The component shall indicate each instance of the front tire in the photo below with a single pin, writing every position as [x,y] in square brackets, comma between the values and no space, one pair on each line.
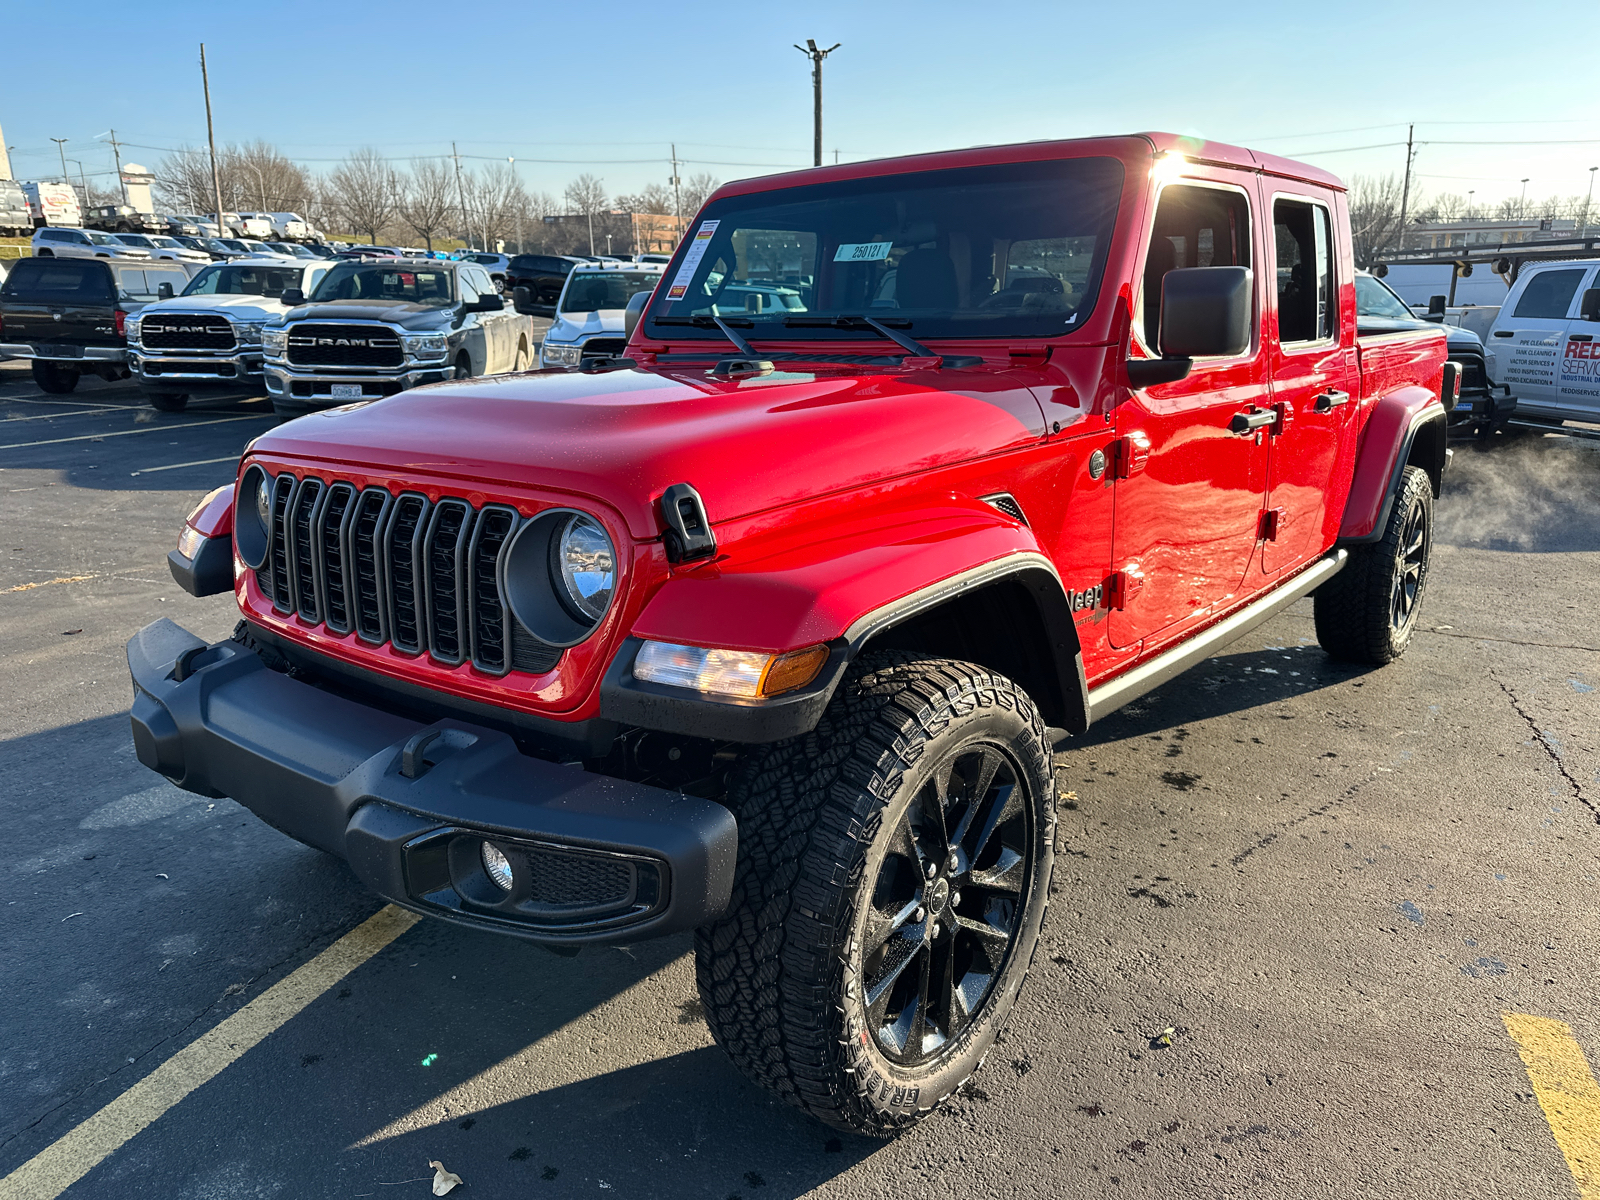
[54,379]
[893,875]
[463,367]
[1368,611]
[172,402]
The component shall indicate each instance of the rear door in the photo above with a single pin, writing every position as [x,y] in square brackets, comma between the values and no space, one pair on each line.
[59,305]
[1189,489]
[1312,347]
[1530,341]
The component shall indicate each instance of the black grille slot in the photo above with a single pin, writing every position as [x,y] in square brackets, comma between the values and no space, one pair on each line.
[343,346]
[448,532]
[557,878]
[302,523]
[363,552]
[1006,503]
[604,347]
[174,331]
[486,607]
[276,569]
[528,653]
[330,553]
[402,551]
[1472,372]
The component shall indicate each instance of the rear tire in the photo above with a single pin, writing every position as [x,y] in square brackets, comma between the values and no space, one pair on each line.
[56,380]
[168,401]
[1368,611]
[463,367]
[870,958]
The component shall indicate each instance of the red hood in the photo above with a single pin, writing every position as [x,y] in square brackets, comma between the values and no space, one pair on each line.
[623,437]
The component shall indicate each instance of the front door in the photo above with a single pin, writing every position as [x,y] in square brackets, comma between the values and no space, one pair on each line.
[1530,346]
[1312,344]
[1189,487]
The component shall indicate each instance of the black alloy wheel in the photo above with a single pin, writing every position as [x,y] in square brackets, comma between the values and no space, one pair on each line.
[943,918]
[1413,561]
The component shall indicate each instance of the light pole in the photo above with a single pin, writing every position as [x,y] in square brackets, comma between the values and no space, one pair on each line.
[1584,232]
[512,160]
[816,56]
[61,146]
[1522,204]
[82,178]
[1471,192]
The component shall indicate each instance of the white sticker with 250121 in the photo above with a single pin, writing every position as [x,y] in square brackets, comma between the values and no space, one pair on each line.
[863,252]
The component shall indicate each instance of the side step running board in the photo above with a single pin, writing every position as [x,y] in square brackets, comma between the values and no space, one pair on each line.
[1146,677]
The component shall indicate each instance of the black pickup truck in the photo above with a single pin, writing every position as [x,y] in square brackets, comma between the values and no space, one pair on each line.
[69,315]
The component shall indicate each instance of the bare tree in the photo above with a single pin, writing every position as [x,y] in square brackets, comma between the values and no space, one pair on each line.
[586,195]
[253,177]
[183,181]
[697,190]
[1374,216]
[366,192]
[655,198]
[1448,206]
[430,198]
[495,197]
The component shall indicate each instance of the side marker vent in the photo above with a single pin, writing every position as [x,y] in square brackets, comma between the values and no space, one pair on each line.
[1006,503]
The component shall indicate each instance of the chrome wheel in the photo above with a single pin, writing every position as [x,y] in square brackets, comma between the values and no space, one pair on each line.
[947,904]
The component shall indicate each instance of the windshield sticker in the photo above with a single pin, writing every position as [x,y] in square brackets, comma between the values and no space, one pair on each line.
[863,251]
[691,260]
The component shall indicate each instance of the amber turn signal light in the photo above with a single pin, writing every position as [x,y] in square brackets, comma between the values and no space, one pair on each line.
[793,670]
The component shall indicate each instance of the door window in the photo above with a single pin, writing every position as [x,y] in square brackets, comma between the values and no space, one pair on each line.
[1195,227]
[1549,294]
[1304,271]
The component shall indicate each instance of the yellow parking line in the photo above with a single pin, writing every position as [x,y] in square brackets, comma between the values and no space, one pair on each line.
[61,1164]
[1567,1092]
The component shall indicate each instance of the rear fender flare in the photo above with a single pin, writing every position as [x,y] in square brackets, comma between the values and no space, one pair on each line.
[1407,427]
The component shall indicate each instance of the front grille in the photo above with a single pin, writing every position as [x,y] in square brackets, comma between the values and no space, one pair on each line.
[604,347]
[1473,374]
[570,879]
[172,331]
[312,345]
[423,577]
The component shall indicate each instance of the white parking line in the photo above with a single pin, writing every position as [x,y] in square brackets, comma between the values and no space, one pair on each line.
[82,412]
[61,1164]
[200,462]
[94,437]
[39,398]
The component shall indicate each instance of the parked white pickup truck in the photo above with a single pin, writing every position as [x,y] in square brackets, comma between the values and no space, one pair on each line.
[209,339]
[1545,342]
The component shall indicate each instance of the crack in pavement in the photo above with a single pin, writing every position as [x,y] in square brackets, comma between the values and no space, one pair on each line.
[1263,842]
[1554,754]
[232,991]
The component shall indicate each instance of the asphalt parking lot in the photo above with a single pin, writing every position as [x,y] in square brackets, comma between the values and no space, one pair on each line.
[1325,887]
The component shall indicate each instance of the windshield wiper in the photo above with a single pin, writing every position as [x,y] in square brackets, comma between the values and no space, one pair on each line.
[860,321]
[709,321]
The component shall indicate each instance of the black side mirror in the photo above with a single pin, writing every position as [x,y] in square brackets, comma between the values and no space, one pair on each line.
[522,300]
[1204,311]
[1589,309]
[489,303]
[1436,306]
[292,297]
[164,291]
[632,313]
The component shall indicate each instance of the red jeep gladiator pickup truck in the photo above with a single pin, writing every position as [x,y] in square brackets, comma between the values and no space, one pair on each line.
[768,630]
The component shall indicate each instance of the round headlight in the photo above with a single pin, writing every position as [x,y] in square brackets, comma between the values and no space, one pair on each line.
[559,576]
[585,567]
[252,517]
[497,866]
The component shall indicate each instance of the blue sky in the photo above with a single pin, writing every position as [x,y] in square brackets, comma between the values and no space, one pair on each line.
[609,86]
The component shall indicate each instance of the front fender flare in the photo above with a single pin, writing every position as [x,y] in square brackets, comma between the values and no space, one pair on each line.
[1407,425]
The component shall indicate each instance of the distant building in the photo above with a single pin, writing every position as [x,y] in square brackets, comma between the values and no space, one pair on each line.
[628,233]
[136,180]
[1486,231]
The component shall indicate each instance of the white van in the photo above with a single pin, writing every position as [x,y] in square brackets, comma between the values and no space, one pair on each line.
[1545,342]
[53,204]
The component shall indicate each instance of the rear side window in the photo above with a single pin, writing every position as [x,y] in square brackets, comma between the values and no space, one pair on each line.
[59,281]
[1549,294]
[1304,269]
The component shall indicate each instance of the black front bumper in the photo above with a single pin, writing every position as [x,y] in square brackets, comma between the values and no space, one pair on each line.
[409,805]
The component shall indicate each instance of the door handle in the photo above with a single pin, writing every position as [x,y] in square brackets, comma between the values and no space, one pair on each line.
[1505,333]
[1330,400]
[1249,422]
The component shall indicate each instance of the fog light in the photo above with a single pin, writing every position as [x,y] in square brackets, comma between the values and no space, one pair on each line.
[496,866]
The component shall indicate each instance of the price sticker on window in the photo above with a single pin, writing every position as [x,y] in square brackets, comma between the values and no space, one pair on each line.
[691,260]
[863,252]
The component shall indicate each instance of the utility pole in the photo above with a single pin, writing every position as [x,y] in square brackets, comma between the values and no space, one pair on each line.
[513,163]
[677,196]
[461,194]
[83,179]
[1584,232]
[116,153]
[61,146]
[211,140]
[1405,191]
[816,56]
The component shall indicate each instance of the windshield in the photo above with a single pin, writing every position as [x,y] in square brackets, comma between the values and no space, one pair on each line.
[241,279]
[591,291]
[100,239]
[373,281]
[1374,299]
[232,244]
[167,243]
[995,251]
[134,239]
